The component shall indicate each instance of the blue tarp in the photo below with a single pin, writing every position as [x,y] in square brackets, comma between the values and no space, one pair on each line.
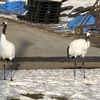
[16,7]
[78,20]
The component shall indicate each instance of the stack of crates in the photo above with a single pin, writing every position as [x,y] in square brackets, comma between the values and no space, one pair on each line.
[43,11]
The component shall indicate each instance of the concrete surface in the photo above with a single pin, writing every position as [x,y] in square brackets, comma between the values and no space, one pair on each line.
[33,42]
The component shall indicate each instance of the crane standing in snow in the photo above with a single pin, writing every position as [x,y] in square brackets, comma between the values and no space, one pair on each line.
[78,47]
[7,49]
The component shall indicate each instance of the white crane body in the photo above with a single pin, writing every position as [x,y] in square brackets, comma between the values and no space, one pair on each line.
[78,47]
[7,49]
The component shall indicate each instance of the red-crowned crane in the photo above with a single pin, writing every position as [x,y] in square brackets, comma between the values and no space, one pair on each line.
[7,49]
[78,47]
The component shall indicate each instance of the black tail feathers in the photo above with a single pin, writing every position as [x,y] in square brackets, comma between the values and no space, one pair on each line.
[68,51]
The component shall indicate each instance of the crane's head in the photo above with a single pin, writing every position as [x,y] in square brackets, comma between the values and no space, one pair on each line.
[4,23]
[88,34]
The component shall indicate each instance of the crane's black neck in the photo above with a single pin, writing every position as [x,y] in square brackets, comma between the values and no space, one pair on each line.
[4,29]
[87,38]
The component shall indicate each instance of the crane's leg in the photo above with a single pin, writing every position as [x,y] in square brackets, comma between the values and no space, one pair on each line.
[4,69]
[74,66]
[11,70]
[83,67]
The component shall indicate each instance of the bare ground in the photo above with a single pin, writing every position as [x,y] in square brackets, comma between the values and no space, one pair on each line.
[48,29]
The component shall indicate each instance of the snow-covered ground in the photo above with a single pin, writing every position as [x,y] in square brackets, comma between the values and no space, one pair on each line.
[52,84]
[75,4]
